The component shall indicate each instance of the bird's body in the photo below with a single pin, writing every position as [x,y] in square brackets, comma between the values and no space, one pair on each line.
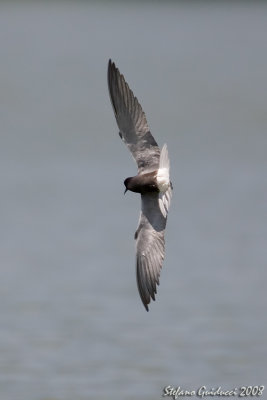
[152,182]
[142,183]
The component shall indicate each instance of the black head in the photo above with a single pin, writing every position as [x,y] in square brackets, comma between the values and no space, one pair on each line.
[127,184]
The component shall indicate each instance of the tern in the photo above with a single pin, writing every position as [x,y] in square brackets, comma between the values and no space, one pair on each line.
[152,182]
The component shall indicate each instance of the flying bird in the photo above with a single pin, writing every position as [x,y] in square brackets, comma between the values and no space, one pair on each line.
[152,182]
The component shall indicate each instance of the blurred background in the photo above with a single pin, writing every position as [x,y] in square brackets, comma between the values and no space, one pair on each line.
[72,325]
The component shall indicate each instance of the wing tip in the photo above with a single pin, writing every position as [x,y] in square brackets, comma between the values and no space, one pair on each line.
[112,74]
[147,303]
[146,307]
[111,69]
[110,62]
[151,295]
[144,291]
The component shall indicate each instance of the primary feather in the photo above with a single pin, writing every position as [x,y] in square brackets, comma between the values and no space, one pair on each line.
[132,122]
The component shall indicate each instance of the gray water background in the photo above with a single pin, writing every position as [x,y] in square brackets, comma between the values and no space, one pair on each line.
[72,324]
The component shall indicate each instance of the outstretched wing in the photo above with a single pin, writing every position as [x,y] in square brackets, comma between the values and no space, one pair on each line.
[150,247]
[132,122]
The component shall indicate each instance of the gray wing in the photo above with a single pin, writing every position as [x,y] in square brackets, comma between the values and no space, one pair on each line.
[150,247]
[132,122]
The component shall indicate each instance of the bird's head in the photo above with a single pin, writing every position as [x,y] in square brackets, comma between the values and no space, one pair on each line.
[127,184]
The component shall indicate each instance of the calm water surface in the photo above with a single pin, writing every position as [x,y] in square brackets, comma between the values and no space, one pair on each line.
[72,324]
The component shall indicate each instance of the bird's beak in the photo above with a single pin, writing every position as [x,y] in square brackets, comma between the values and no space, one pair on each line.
[125,190]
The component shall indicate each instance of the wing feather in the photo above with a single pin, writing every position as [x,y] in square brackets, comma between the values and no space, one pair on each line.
[150,246]
[132,123]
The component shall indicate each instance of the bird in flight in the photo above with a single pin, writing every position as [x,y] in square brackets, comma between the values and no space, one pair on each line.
[152,182]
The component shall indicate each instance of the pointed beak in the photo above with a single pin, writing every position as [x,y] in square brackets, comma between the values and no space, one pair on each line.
[125,190]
